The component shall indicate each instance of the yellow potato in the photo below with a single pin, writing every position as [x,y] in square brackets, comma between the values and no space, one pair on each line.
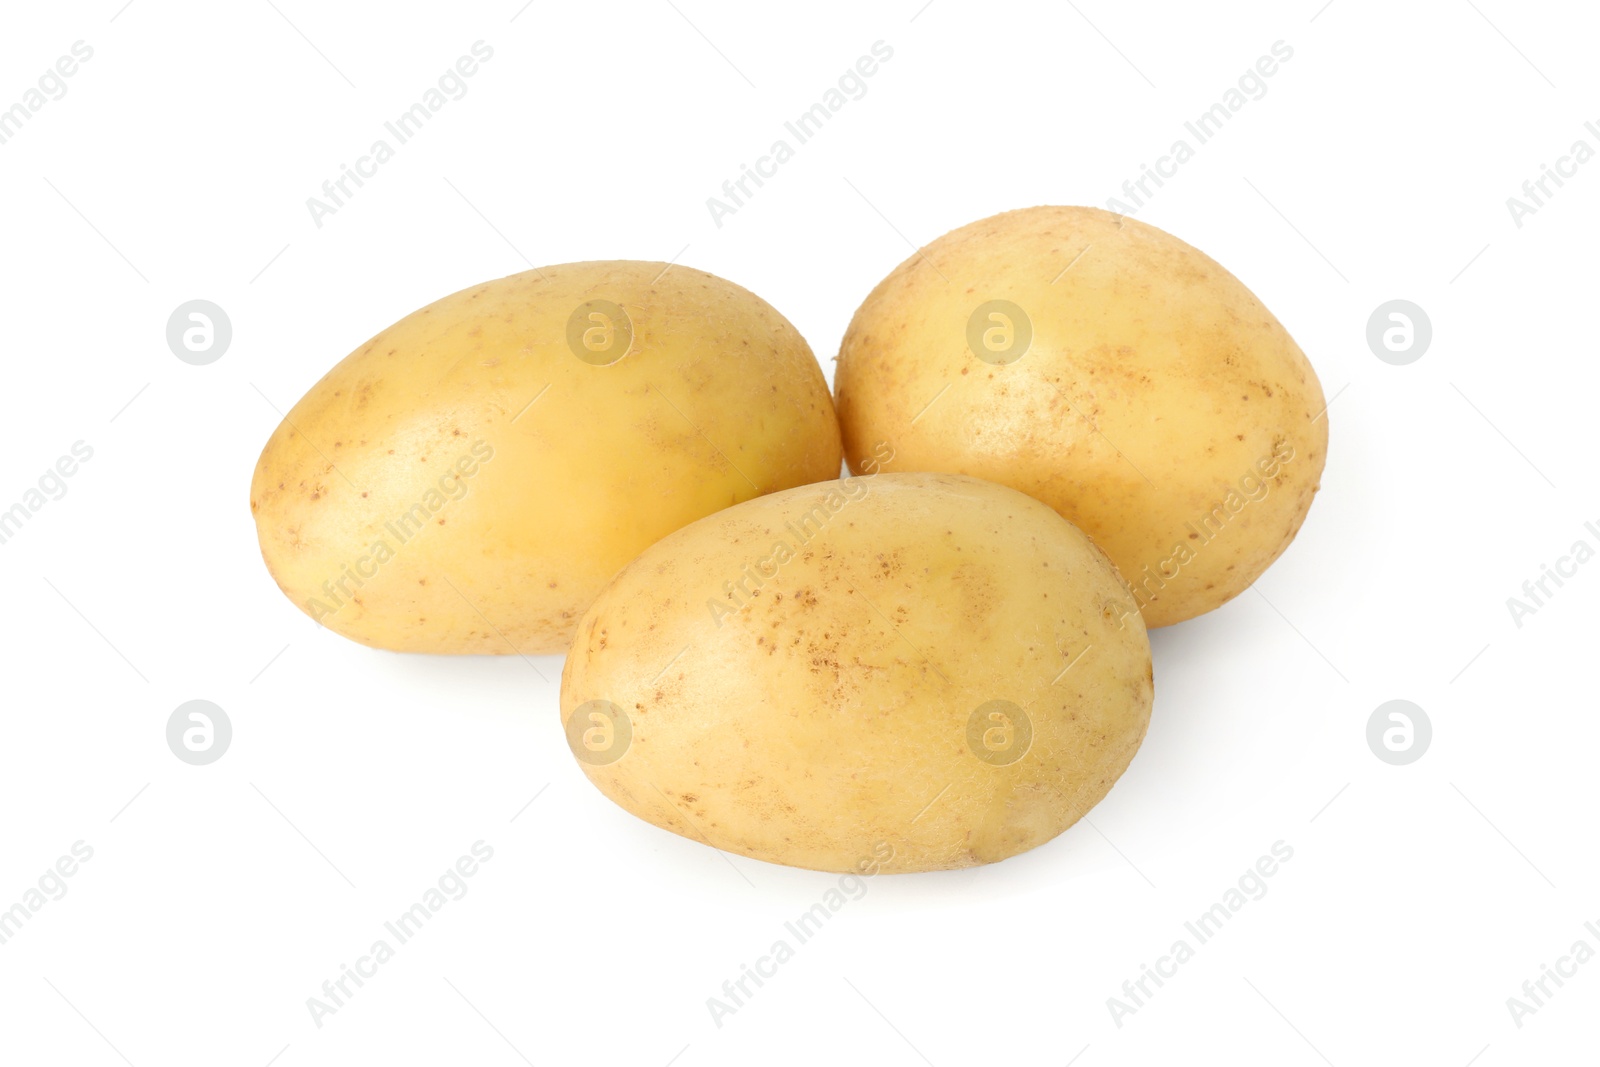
[896,672]
[1108,369]
[471,477]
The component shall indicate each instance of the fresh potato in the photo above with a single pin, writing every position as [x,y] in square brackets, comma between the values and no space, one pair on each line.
[471,477]
[1108,369]
[898,672]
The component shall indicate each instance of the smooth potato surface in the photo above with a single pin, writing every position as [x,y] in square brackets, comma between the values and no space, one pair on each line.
[903,671]
[471,477]
[1112,371]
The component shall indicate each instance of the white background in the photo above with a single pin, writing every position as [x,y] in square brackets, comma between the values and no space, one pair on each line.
[220,898]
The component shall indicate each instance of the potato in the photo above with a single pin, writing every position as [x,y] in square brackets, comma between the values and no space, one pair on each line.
[896,672]
[1108,369]
[471,477]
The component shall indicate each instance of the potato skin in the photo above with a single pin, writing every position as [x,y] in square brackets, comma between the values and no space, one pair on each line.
[465,483]
[1159,406]
[816,708]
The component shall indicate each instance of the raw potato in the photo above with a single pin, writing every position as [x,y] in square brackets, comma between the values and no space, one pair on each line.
[1127,380]
[470,478]
[898,672]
